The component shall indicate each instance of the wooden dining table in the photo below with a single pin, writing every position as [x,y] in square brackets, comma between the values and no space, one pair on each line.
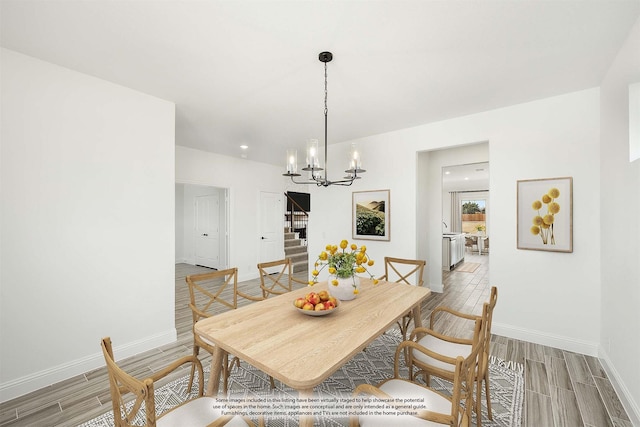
[300,350]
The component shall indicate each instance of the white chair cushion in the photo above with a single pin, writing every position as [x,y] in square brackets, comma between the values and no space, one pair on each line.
[196,413]
[443,347]
[402,389]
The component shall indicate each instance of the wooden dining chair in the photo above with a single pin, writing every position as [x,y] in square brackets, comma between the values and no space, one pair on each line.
[408,271]
[276,278]
[470,242]
[435,407]
[212,293]
[485,247]
[453,346]
[196,411]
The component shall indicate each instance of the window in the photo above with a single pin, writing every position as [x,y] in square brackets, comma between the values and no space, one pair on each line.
[474,218]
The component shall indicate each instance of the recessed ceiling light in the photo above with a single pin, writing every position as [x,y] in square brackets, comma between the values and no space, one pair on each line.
[244,147]
[447,172]
[466,178]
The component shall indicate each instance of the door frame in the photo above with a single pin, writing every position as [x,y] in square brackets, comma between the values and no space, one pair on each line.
[225,217]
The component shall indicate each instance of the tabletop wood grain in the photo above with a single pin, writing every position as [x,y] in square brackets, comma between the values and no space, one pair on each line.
[302,351]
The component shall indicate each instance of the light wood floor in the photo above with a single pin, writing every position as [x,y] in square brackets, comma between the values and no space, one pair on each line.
[562,388]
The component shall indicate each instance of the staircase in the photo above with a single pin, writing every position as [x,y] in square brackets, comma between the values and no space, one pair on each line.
[294,249]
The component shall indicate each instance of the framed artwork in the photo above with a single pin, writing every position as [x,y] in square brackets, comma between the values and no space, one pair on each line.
[545,214]
[371,215]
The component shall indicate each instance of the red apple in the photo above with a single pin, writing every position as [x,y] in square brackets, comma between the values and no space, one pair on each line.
[328,305]
[299,302]
[308,306]
[313,298]
[319,306]
[324,295]
[334,301]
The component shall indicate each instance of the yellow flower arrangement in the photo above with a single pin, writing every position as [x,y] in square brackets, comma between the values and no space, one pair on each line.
[343,263]
[543,223]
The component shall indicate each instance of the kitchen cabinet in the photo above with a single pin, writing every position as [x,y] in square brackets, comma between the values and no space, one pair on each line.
[452,250]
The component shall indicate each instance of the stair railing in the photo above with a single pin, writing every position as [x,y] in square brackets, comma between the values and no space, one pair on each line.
[297,219]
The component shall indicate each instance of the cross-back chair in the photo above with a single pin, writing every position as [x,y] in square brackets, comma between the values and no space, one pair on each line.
[434,406]
[197,411]
[276,278]
[212,293]
[408,271]
[453,346]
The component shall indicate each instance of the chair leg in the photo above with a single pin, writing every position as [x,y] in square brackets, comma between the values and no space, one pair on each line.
[273,384]
[478,402]
[196,350]
[487,395]
[403,324]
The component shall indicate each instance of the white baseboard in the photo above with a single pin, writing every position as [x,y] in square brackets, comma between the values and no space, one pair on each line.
[32,382]
[632,408]
[436,287]
[557,341]
[248,276]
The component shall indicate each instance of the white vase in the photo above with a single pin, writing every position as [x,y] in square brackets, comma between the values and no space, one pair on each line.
[344,290]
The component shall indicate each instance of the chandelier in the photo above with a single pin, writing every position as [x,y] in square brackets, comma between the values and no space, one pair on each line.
[319,175]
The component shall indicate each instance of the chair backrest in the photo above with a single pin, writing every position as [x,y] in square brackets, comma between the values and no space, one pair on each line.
[408,271]
[493,299]
[275,277]
[463,379]
[121,383]
[210,292]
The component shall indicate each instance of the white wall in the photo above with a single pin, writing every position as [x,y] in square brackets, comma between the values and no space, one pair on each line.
[544,139]
[245,180]
[620,228]
[87,222]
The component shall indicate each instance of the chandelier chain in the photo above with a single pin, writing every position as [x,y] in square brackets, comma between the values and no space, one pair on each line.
[326,92]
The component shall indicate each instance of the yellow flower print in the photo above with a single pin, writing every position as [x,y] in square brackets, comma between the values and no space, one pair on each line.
[548,219]
[554,193]
[554,208]
[536,205]
[535,230]
[537,220]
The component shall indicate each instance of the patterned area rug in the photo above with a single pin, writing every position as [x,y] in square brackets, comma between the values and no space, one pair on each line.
[371,366]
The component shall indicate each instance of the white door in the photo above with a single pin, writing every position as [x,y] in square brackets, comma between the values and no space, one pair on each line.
[271,227]
[207,223]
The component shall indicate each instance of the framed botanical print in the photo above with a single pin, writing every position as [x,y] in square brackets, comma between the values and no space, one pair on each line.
[545,214]
[371,215]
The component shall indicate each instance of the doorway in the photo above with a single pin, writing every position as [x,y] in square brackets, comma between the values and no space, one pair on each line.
[202,236]
[434,203]
[271,227]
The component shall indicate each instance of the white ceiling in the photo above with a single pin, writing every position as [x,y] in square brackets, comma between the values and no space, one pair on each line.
[247,72]
[467,177]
